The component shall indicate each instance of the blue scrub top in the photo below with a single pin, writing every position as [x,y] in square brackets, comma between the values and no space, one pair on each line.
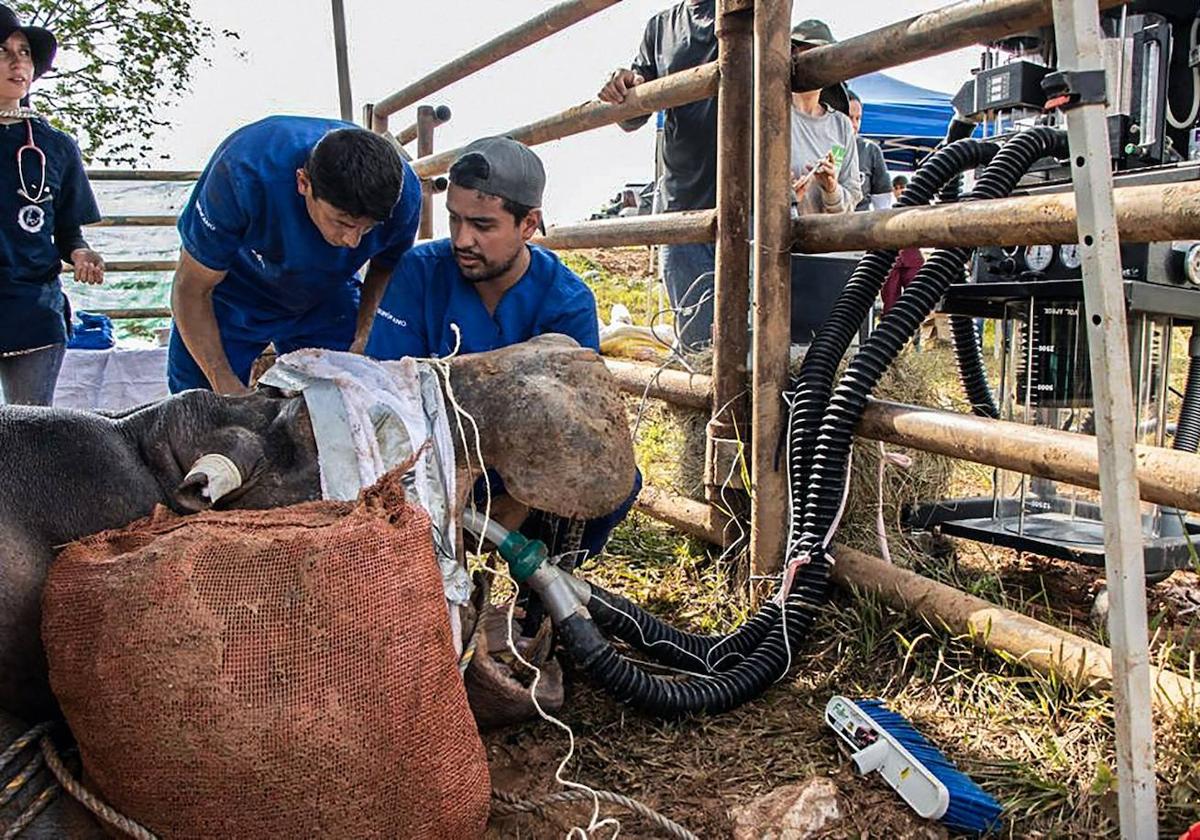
[246,218]
[427,293]
[31,296]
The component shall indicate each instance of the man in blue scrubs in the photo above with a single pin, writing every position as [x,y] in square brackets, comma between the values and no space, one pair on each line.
[490,282]
[284,216]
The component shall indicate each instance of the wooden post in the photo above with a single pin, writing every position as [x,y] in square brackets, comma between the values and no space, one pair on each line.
[1077,38]
[772,281]
[343,62]
[731,338]
[426,120]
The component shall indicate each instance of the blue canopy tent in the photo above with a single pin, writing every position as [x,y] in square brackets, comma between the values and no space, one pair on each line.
[907,121]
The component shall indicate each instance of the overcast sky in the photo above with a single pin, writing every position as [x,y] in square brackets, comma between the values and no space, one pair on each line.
[284,63]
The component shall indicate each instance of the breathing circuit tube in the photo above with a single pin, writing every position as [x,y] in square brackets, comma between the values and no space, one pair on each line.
[620,618]
[832,450]
[764,643]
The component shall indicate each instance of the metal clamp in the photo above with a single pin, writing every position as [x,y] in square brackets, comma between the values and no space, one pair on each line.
[1067,89]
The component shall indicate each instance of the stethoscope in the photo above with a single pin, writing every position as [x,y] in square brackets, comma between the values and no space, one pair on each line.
[32,217]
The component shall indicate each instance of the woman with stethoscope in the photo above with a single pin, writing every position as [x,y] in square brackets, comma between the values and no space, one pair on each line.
[45,199]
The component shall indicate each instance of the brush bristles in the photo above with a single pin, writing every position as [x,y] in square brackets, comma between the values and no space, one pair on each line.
[971,808]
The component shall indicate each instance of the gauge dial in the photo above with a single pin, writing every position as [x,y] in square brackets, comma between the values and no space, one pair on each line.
[1069,256]
[1039,257]
[1191,263]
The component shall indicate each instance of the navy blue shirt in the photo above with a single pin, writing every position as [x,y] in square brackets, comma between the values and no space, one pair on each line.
[427,293]
[31,297]
[245,217]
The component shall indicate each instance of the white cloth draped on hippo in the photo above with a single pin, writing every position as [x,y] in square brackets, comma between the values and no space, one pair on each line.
[370,416]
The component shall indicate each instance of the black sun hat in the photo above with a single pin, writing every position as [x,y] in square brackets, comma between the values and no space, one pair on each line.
[41,41]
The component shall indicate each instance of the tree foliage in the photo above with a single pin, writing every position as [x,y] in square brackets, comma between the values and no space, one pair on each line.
[119,63]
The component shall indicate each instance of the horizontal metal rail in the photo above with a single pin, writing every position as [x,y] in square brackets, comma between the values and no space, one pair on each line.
[441,115]
[505,44]
[943,30]
[128,314]
[1150,213]
[1165,476]
[132,265]
[656,229]
[136,221]
[668,92]
[142,175]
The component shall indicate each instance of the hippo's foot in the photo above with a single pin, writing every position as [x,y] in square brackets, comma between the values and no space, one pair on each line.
[500,688]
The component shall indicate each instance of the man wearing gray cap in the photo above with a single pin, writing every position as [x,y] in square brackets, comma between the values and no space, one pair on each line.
[486,278]
[491,283]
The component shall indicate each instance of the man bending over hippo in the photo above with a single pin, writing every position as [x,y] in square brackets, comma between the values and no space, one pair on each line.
[284,216]
[490,282]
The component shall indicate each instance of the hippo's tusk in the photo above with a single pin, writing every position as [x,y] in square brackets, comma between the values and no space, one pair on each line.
[223,476]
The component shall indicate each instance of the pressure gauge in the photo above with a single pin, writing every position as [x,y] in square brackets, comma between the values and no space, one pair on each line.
[1191,264]
[1069,256]
[1039,257]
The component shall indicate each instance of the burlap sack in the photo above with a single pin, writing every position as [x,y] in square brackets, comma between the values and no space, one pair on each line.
[279,674]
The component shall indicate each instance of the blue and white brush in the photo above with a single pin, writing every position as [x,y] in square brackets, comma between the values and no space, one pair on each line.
[933,787]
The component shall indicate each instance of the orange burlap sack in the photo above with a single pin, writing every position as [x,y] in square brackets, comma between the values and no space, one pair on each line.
[268,674]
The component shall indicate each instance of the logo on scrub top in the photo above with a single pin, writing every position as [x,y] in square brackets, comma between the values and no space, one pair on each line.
[31,218]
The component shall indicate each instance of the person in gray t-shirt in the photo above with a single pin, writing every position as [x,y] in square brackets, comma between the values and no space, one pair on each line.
[677,39]
[872,168]
[824,154]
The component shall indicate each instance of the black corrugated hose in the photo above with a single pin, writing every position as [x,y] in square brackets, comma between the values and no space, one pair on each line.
[619,617]
[812,386]
[769,658]
[1187,430]
[831,456]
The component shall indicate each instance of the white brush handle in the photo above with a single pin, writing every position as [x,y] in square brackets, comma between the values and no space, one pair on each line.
[875,749]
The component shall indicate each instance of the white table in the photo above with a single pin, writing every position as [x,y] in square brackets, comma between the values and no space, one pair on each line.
[117,378]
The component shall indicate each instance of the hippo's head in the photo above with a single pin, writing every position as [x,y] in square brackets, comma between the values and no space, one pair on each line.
[255,451]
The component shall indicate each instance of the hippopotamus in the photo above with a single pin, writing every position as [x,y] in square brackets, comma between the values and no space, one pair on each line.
[551,424]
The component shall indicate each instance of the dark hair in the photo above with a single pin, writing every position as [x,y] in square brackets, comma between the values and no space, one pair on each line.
[899,181]
[356,171]
[471,167]
[854,97]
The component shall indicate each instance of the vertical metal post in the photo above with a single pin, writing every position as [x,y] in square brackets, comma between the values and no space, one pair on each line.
[343,61]
[772,279]
[731,338]
[1078,39]
[426,120]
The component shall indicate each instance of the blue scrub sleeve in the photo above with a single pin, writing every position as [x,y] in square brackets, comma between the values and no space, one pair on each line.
[215,220]
[580,322]
[75,204]
[399,329]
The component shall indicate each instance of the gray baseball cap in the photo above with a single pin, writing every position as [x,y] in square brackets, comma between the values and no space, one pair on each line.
[503,167]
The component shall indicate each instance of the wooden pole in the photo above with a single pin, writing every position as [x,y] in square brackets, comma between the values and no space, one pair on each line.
[655,229]
[426,121]
[1150,213]
[1165,476]
[731,338]
[505,44]
[669,91]
[694,518]
[962,24]
[343,62]
[772,281]
[1037,645]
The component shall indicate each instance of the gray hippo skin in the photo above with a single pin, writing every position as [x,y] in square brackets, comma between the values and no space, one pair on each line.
[65,474]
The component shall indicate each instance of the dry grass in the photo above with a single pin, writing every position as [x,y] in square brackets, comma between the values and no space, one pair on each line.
[1044,749]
